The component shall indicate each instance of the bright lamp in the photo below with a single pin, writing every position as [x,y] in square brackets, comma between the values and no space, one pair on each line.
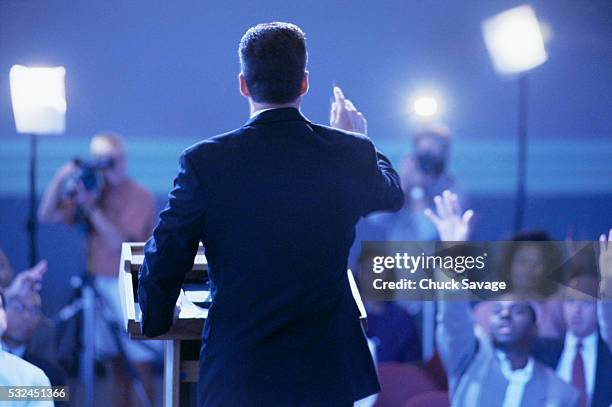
[39,99]
[515,44]
[425,106]
[514,40]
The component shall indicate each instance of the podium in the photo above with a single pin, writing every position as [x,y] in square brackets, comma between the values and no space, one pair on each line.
[182,342]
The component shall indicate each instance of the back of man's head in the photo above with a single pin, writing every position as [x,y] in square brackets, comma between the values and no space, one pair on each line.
[273,61]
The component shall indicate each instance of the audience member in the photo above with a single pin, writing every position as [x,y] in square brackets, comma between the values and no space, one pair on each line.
[24,316]
[424,174]
[390,327]
[604,305]
[531,264]
[582,358]
[15,371]
[499,371]
[6,272]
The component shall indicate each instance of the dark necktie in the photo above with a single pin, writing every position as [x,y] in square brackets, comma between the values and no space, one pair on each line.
[578,379]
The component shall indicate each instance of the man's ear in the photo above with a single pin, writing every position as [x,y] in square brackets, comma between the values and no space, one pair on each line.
[244,90]
[304,85]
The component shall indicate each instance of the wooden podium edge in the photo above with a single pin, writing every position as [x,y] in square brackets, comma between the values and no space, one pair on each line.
[126,288]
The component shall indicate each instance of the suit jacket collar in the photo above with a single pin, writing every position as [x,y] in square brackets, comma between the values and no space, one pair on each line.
[602,394]
[282,114]
[535,389]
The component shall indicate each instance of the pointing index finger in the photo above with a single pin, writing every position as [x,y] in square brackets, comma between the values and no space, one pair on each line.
[338,94]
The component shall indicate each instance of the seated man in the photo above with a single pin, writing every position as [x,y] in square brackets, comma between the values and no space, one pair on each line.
[393,331]
[492,373]
[17,372]
[582,358]
[24,318]
[390,327]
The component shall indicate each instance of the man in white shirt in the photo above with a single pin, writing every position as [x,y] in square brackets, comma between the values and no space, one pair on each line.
[500,372]
[582,358]
[17,372]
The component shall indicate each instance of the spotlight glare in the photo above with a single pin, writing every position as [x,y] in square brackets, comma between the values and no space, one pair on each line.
[425,106]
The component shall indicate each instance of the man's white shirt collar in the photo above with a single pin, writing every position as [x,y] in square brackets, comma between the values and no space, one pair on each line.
[517,379]
[258,112]
[589,359]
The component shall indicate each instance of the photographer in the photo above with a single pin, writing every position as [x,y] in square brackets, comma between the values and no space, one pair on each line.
[99,196]
[424,174]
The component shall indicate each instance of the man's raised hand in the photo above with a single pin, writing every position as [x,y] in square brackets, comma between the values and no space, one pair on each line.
[605,264]
[345,116]
[451,224]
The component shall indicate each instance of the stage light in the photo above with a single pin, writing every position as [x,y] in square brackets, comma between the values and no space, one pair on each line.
[38,96]
[39,99]
[425,106]
[516,45]
[514,40]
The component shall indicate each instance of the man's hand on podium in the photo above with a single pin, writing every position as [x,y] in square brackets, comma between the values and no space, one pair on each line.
[345,116]
[177,307]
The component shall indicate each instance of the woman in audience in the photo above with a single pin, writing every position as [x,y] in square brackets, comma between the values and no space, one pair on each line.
[531,264]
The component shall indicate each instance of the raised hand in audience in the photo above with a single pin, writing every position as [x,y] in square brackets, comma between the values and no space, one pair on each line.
[605,264]
[452,226]
[28,281]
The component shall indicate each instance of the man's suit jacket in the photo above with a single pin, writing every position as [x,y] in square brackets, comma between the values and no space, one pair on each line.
[275,204]
[474,372]
[548,351]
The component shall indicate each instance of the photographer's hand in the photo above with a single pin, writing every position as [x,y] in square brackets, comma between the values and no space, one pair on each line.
[345,116]
[65,170]
[48,210]
[452,227]
[86,199]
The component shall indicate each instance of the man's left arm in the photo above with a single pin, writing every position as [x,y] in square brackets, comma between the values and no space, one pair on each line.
[170,252]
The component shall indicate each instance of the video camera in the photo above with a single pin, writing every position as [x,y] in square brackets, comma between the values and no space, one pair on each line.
[89,174]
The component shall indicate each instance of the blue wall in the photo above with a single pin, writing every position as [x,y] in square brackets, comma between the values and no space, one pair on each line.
[164,74]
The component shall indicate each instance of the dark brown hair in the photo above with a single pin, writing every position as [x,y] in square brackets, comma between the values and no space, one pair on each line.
[273,61]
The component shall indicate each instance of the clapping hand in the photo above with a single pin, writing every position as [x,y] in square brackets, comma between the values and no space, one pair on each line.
[451,225]
[345,116]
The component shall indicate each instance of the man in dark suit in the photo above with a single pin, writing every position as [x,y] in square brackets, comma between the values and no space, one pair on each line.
[275,204]
[581,358]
